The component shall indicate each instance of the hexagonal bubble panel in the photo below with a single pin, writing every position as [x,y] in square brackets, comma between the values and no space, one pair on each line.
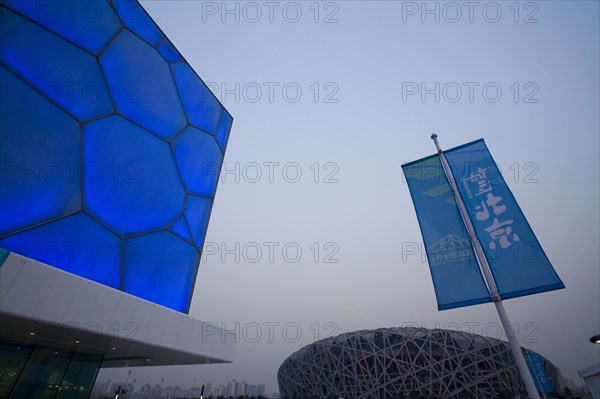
[201,106]
[161,268]
[65,73]
[88,23]
[131,182]
[180,228]
[199,160]
[168,51]
[154,103]
[197,213]
[40,155]
[136,19]
[76,244]
[223,129]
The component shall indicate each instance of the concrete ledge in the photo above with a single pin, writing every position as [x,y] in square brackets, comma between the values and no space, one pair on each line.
[43,304]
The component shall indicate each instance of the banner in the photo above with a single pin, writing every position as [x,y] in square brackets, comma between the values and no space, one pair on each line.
[454,269]
[517,261]
[538,372]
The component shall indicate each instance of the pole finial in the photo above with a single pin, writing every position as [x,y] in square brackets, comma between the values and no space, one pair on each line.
[437,144]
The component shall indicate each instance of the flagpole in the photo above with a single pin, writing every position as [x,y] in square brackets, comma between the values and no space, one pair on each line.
[489,279]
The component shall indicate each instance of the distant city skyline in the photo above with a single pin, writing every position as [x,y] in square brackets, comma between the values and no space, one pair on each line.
[233,388]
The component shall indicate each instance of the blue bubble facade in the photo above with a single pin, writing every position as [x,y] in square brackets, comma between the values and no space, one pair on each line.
[110,147]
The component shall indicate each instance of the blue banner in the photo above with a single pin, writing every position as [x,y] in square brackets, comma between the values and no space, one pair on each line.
[517,261]
[454,269]
[538,372]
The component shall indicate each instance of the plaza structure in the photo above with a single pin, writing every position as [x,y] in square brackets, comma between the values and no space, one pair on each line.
[591,376]
[409,363]
[111,147]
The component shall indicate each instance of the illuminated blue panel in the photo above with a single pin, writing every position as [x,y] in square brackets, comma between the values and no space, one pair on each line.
[154,104]
[65,73]
[94,120]
[131,180]
[136,19]
[76,244]
[180,227]
[201,106]
[88,23]
[197,212]
[39,172]
[168,51]
[199,159]
[223,129]
[161,268]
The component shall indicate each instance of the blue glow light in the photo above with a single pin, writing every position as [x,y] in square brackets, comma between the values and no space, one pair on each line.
[76,244]
[136,19]
[102,173]
[201,106]
[154,271]
[95,25]
[148,95]
[199,159]
[180,228]
[223,129]
[40,158]
[168,51]
[129,171]
[63,72]
[197,212]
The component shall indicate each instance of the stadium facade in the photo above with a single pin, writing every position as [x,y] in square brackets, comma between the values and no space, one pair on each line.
[411,363]
[111,148]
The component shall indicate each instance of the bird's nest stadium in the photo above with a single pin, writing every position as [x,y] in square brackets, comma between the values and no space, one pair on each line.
[411,363]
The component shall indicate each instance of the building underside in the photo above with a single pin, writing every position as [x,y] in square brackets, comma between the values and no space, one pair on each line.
[57,329]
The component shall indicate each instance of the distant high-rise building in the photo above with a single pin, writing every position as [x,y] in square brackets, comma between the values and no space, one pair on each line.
[145,391]
[251,390]
[156,392]
[260,390]
[219,390]
[232,388]
[235,389]
[101,388]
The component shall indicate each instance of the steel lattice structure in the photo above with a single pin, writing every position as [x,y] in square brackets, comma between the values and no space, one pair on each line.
[405,362]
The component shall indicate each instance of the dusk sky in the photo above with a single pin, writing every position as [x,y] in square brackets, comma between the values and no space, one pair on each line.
[313,232]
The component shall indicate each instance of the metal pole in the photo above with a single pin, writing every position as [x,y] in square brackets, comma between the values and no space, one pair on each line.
[489,279]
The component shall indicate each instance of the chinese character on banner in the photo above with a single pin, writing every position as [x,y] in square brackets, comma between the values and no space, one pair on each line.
[502,234]
[480,177]
[498,223]
[483,212]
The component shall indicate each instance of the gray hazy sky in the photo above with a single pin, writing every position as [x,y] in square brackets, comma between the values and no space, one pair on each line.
[340,113]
